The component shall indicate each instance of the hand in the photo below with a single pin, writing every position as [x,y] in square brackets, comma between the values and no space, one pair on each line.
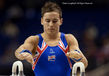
[27,57]
[74,55]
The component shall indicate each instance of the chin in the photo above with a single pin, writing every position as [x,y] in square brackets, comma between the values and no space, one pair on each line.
[51,32]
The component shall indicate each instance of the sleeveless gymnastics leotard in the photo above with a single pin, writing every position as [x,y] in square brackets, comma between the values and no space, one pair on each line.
[51,60]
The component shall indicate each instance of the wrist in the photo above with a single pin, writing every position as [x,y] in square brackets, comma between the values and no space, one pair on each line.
[25,50]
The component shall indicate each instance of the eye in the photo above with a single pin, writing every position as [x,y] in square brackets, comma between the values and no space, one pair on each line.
[54,21]
[47,20]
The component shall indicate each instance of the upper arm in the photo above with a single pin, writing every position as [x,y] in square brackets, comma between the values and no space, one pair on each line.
[30,43]
[73,45]
[72,42]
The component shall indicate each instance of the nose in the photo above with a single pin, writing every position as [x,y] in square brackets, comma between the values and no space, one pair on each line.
[51,24]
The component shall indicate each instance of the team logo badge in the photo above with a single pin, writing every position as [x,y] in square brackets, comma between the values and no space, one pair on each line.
[51,51]
[51,56]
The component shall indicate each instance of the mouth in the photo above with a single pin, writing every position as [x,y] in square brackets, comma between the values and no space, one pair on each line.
[51,29]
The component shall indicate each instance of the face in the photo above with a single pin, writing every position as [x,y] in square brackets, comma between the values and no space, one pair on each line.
[51,22]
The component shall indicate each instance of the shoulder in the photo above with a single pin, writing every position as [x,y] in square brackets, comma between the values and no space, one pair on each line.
[71,39]
[32,39]
[69,36]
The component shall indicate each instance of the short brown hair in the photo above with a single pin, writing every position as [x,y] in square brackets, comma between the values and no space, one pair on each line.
[50,7]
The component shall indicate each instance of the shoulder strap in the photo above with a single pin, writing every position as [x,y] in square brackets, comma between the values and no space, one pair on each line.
[40,40]
[63,39]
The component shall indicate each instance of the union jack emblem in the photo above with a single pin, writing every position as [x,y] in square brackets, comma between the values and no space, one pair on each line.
[51,58]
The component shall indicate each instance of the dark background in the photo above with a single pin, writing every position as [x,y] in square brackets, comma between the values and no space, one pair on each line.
[89,23]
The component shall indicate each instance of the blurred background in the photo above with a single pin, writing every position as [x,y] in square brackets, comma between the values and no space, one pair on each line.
[87,20]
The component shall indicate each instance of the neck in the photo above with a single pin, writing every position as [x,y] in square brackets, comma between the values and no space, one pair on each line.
[51,36]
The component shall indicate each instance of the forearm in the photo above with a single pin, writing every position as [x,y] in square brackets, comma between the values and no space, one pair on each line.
[23,53]
[84,60]
[77,56]
[81,58]
[17,52]
[74,52]
[21,48]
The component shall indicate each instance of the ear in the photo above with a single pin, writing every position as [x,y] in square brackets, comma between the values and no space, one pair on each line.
[61,21]
[41,20]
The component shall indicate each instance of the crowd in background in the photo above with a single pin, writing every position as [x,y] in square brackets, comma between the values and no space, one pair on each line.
[20,19]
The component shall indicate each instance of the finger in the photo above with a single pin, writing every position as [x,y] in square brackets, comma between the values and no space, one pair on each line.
[25,55]
[30,60]
[29,57]
[68,54]
[21,56]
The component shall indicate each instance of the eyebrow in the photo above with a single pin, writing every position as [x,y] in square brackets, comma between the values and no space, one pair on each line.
[53,19]
[47,19]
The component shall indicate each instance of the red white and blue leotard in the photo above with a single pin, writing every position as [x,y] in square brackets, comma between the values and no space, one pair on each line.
[51,60]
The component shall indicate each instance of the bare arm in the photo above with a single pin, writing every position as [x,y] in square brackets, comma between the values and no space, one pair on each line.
[29,44]
[73,46]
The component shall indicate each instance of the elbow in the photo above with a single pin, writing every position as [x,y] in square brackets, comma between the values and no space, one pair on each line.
[17,55]
[86,63]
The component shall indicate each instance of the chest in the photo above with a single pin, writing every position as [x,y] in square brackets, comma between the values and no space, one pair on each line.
[54,42]
[54,54]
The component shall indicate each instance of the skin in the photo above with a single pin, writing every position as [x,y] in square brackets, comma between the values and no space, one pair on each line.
[51,22]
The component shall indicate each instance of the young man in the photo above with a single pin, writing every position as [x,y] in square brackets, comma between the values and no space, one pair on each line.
[51,53]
